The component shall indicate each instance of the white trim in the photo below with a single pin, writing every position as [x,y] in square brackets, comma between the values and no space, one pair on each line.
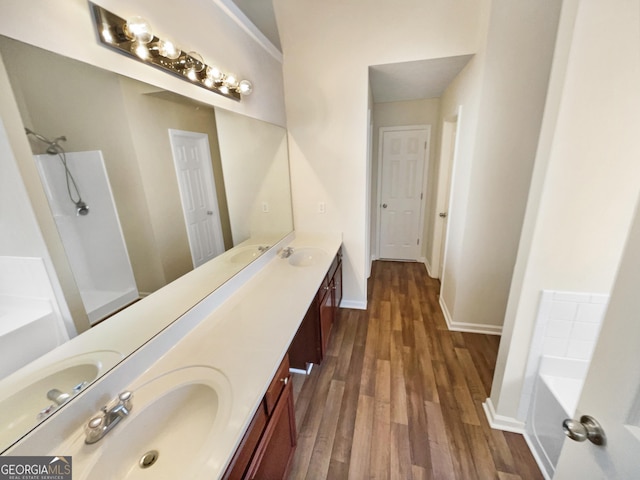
[501,422]
[355,304]
[425,176]
[427,266]
[467,327]
[240,19]
[452,175]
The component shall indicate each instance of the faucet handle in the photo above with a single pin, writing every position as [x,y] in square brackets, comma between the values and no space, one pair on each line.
[96,422]
[95,428]
[125,399]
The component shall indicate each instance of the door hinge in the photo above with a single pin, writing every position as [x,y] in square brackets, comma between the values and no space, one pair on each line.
[418,242]
[425,144]
[421,196]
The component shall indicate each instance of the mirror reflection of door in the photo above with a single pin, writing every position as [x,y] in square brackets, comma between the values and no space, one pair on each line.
[192,159]
[404,154]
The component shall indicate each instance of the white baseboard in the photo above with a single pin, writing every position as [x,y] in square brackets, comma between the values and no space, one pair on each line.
[355,304]
[500,422]
[467,327]
[427,265]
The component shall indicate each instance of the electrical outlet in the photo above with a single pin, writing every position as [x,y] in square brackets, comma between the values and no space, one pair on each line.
[322,207]
[265,207]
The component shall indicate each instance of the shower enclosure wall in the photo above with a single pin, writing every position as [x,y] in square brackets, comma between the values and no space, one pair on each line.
[93,241]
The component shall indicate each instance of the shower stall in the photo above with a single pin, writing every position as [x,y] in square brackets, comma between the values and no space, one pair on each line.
[81,201]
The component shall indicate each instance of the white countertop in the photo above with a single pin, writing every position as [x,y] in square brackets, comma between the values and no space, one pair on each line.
[245,338]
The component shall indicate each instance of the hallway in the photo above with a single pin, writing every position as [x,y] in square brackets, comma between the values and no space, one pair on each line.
[400,396]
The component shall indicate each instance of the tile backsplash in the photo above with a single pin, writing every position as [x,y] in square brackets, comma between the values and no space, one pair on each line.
[567,326]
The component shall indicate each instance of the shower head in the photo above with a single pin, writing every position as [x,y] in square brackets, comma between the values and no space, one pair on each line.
[53,147]
[81,208]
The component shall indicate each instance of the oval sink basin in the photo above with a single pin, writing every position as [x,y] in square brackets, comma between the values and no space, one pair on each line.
[19,411]
[245,254]
[307,256]
[168,434]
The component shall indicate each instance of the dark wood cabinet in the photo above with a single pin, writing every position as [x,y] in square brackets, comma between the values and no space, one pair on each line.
[274,453]
[267,447]
[310,343]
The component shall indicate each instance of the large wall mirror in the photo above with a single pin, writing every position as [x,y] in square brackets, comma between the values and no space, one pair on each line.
[145,151]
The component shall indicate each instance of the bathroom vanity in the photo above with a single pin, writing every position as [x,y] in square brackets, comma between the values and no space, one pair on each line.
[210,394]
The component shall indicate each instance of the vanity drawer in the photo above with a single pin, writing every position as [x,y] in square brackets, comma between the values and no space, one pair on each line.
[278,383]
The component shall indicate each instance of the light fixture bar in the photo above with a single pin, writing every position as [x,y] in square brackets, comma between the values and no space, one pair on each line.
[133,41]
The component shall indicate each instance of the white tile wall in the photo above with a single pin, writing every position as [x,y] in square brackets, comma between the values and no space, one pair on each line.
[567,326]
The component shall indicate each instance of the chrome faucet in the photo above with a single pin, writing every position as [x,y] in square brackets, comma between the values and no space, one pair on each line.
[108,418]
[262,248]
[59,398]
[286,252]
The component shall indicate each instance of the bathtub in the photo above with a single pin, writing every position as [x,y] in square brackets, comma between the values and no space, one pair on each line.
[28,329]
[555,397]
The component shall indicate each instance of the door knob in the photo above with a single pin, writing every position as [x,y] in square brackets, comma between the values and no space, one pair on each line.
[585,429]
[442,214]
[384,205]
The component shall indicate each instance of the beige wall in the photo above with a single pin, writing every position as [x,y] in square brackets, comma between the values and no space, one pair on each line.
[149,115]
[329,47]
[586,180]
[415,112]
[495,161]
[256,172]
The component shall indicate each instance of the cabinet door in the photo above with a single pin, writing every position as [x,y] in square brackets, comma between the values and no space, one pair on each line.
[305,347]
[327,313]
[275,451]
[242,457]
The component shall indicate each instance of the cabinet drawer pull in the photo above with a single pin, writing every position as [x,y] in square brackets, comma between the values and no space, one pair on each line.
[285,380]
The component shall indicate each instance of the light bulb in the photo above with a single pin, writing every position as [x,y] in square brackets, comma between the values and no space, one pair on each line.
[245,87]
[196,62]
[231,80]
[214,73]
[138,29]
[224,89]
[168,49]
[192,75]
[209,82]
[141,50]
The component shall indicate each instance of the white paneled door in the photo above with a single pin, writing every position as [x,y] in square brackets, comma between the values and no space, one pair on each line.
[192,159]
[403,158]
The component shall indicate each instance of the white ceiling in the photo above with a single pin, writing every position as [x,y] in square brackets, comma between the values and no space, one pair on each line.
[414,80]
[389,83]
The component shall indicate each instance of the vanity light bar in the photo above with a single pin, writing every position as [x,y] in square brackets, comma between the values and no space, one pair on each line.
[134,39]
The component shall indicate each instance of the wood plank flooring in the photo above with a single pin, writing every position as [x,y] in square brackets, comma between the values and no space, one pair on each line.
[399,396]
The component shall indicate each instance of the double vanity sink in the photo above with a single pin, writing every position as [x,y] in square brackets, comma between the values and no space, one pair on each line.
[191,393]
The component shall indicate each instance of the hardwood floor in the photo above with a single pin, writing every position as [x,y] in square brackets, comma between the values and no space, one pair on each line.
[399,396]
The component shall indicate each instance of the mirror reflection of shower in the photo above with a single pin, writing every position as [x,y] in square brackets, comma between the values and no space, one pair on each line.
[54,148]
[94,244]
